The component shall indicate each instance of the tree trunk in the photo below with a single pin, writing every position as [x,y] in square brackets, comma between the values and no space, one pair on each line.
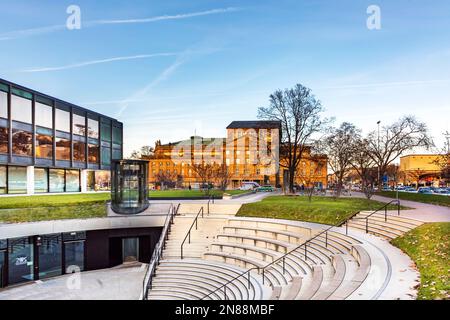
[291,180]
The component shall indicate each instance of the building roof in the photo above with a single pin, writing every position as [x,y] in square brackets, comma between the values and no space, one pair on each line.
[255,124]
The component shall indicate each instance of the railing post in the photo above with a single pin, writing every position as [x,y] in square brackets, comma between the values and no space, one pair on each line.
[284,266]
[208,207]
[263,275]
[326,239]
[249,282]
[346,228]
[367,225]
[189,236]
[181,252]
[306,251]
[225,291]
[385,213]
[398,207]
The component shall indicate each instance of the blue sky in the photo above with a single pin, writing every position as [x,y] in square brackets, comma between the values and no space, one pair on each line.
[168,69]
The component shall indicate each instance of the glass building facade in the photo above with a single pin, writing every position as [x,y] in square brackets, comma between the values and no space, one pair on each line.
[48,145]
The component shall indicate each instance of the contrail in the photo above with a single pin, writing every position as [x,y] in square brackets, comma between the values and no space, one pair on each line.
[87,24]
[93,62]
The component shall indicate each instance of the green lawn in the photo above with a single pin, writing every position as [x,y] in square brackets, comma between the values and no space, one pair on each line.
[182,193]
[425,198]
[429,247]
[55,207]
[325,210]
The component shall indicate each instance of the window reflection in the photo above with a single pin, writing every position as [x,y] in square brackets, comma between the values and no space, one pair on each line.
[79,151]
[44,146]
[3,140]
[2,180]
[17,180]
[40,180]
[62,120]
[72,181]
[93,128]
[22,143]
[3,104]
[79,125]
[62,149]
[20,109]
[43,115]
[74,256]
[93,153]
[20,260]
[50,256]
[106,132]
[56,180]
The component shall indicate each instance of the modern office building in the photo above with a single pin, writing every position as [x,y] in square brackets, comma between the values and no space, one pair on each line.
[51,146]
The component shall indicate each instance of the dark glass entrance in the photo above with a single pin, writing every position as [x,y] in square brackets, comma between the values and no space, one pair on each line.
[130,249]
[50,255]
[74,256]
[2,268]
[20,260]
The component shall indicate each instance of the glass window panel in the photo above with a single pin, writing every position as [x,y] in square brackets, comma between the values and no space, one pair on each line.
[106,156]
[62,149]
[4,140]
[17,180]
[106,132]
[117,154]
[50,256]
[57,180]
[40,180]
[102,180]
[2,268]
[20,260]
[22,142]
[62,120]
[94,151]
[72,181]
[79,151]
[93,128]
[117,135]
[43,115]
[90,181]
[74,256]
[20,109]
[2,180]
[79,125]
[44,146]
[3,104]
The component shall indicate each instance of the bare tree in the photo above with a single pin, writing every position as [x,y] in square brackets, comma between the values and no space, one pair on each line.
[205,172]
[404,135]
[299,112]
[415,175]
[146,152]
[363,163]
[222,176]
[338,146]
[308,178]
[166,179]
[443,161]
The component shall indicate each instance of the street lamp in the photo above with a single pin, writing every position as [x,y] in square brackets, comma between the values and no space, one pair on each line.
[378,147]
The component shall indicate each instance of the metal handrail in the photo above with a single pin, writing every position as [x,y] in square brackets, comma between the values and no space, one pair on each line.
[211,198]
[283,257]
[397,201]
[157,252]
[188,234]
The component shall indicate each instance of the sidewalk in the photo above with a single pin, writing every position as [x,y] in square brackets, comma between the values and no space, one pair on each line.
[422,211]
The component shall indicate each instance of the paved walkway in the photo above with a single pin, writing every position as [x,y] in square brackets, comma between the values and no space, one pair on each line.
[120,283]
[422,211]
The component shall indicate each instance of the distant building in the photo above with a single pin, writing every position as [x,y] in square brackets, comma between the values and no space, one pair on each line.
[420,170]
[250,152]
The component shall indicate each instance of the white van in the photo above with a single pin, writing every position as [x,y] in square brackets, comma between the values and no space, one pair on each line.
[249,186]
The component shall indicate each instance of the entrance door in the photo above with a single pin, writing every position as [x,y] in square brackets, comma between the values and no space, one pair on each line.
[2,268]
[130,249]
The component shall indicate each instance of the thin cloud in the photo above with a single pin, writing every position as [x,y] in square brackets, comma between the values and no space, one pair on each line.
[101,61]
[389,84]
[168,17]
[87,24]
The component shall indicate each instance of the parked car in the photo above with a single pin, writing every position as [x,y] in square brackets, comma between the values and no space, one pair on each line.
[425,190]
[386,188]
[249,186]
[410,189]
[266,188]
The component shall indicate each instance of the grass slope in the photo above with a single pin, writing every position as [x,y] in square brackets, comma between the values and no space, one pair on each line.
[325,210]
[429,247]
[424,198]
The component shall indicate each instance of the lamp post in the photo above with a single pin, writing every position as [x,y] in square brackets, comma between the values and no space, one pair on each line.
[378,147]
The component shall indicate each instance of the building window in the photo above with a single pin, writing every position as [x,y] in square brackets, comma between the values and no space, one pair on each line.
[56,180]
[93,128]
[62,120]
[102,180]
[106,156]
[4,140]
[90,181]
[40,180]
[3,105]
[62,149]
[79,151]
[20,109]
[72,181]
[22,143]
[106,132]
[44,146]
[93,153]
[3,188]
[79,125]
[20,260]
[43,115]
[117,135]
[50,256]
[17,180]
[74,256]
[117,154]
